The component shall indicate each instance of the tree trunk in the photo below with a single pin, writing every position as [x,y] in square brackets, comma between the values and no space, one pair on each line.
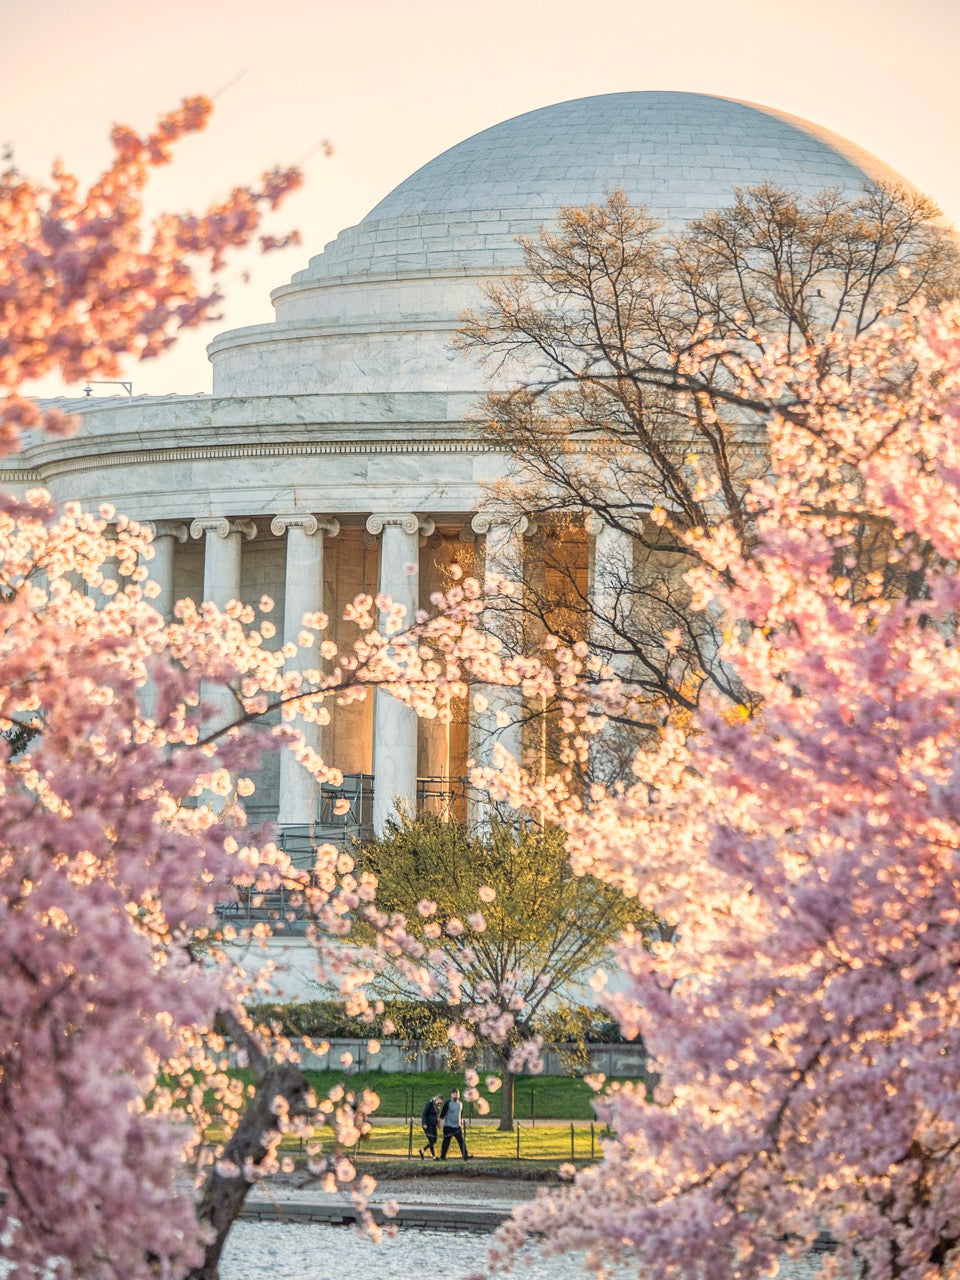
[506,1105]
[222,1200]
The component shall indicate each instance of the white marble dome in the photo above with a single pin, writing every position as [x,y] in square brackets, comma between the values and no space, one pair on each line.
[412,264]
[680,154]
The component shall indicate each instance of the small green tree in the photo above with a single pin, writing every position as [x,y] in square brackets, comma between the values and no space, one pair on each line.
[507,926]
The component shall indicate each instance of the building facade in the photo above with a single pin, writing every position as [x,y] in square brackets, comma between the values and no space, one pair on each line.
[340,444]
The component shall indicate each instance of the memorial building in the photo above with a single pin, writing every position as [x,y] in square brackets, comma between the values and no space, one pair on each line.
[339,444]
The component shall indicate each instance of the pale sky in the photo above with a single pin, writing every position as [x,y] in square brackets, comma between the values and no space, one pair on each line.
[392,85]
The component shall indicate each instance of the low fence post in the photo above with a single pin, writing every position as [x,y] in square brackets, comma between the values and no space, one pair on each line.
[571,1139]
[593,1148]
[518,1139]
[410,1143]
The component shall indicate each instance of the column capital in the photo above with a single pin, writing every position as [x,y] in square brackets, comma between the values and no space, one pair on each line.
[176,529]
[222,526]
[484,521]
[406,520]
[306,523]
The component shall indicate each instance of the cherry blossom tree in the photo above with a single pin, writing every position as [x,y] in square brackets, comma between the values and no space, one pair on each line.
[122,824]
[108,878]
[84,282]
[119,829]
[803,1017]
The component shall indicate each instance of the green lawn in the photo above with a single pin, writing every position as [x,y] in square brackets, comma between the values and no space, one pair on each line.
[402,1095]
[548,1144]
[553,1115]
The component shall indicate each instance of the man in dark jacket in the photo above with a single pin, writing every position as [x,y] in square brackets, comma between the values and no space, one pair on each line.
[429,1122]
[452,1117]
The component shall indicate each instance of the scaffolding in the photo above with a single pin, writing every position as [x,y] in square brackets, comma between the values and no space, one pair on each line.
[345,820]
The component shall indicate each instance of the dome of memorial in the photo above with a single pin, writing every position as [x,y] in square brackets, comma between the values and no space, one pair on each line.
[679,154]
[376,310]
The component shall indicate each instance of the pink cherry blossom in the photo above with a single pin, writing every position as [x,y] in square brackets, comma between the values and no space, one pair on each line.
[802,1016]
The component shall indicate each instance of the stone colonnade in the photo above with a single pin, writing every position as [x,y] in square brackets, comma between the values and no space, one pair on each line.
[401,534]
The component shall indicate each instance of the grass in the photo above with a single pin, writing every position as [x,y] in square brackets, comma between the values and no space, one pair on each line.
[540,1142]
[545,1144]
[552,1115]
[535,1097]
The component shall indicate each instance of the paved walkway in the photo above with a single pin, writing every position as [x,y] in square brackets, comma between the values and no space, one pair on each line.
[445,1202]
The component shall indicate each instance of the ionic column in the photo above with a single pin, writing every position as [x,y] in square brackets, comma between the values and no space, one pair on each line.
[109,570]
[394,725]
[221,581]
[501,724]
[303,593]
[221,556]
[165,534]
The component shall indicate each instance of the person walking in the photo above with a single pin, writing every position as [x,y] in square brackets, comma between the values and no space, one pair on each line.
[452,1116]
[429,1123]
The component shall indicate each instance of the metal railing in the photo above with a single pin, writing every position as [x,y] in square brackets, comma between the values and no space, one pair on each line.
[338,823]
[444,795]
[353,822]
[299,843]
[280,908]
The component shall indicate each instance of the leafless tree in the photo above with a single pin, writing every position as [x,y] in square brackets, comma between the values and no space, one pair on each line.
[628,354]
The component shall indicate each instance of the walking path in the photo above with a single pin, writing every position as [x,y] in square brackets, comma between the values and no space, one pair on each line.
[446,1202]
